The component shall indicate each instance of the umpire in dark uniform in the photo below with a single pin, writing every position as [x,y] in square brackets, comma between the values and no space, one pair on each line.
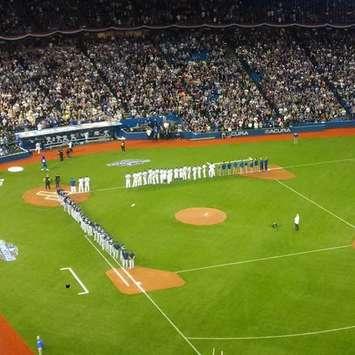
[57,181]
[47,182]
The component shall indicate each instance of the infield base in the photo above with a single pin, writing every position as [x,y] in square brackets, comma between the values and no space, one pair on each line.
[150,279]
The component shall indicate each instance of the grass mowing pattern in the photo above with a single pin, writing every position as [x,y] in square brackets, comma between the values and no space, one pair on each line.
[290,295]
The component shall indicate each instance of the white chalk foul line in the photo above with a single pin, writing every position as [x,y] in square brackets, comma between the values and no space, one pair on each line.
[76,277]
[263,259]
[138,284]
[316,204]
[324,162]
[292,335]
[108,262]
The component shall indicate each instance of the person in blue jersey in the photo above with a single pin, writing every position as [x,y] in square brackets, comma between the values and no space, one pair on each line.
[39,345]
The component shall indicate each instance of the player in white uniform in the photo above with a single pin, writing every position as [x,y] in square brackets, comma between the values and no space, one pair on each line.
[144,177]
[199,170]
[170,176]
[211,170]
[87,184]
[184,173]
[81,184]
[151,177]
[135,180]
[128,181]
[162,176]
[188,172]
[139,178]
[204,171]
[157,176]
[176,173]
[194,172]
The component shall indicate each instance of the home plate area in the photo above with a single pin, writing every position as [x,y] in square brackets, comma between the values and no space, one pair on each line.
[149,280]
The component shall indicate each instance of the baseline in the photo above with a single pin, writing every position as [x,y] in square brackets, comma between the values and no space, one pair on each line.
[316,204]
[215,266]
[139,286]
[292,335]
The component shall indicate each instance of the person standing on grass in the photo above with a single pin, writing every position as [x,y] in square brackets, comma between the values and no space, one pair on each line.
[296,221]
[72,184]
[39,345]
[44,165]
[47,182]
[57,181]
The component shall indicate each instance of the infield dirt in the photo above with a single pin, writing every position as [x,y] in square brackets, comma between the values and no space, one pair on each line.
[48,198]
[149,279]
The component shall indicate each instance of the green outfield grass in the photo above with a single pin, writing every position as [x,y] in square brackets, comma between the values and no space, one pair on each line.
[295,294]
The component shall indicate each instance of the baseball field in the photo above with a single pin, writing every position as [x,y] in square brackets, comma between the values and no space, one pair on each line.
[247,288]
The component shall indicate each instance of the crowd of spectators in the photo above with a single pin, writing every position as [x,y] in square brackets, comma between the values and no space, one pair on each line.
[25,16]
[51,85]
[212,80]
[193,75]
[333,55]
[288,78]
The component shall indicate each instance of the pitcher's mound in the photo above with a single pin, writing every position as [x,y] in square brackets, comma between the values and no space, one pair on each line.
[275,172]
[149,280]
[41,197]
[201,216]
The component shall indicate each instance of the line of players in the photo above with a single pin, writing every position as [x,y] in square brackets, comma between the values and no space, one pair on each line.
[83,184]
[116,249]
[208,170]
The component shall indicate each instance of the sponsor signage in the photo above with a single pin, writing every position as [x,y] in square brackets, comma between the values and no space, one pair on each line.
[239,133]
[277,130]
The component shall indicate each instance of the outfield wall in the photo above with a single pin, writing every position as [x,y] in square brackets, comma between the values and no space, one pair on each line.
[15,156]
[313,127]
[103,131]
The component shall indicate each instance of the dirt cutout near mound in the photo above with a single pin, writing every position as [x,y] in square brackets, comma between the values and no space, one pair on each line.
[275,172]
[10,342]
[149,279]
[201,216]
[39,196]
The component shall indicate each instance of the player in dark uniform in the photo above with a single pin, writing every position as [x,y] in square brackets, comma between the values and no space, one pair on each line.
[261,164]
[256,164]
[57,181]
[266,163]
[47,182]
[229,168]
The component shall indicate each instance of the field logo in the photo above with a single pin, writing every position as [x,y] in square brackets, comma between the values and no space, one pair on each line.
[129,162]
[8,251]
